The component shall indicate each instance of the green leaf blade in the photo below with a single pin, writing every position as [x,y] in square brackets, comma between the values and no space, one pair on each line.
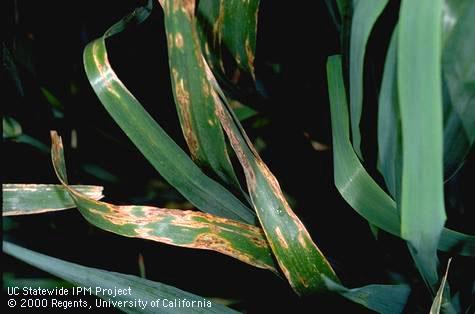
[299,258]
[194,103]
[151,140]
[143,289]
[27,199]
[366,12]
[420,95]
[356,185]
[188,229]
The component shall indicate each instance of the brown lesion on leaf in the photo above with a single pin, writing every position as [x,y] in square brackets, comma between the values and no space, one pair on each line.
[281,238]
[205,87]
[285,271]
[183,99]
[226,122]
[301,240]
[303,281]
[179,40]
[170,41]
[146,217]
[188,7]
[176,5]
[250,55]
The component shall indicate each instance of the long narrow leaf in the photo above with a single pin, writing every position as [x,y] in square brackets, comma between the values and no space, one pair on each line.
[195,106]
[366,12]
[26,199]
[152,141]
[459,97]
[299,258]
[389,125]
[143,289]
[420,102]
[176,227]
[357,187]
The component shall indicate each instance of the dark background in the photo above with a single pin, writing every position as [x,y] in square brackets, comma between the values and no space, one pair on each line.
[47,41]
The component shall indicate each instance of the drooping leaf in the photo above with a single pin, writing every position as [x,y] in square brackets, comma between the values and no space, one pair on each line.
[152,141]
[189,229]
[355,184]
[140,288]
[384,299]
[366,12]
[194,103]
[420,102]
[299,258]
[26,199]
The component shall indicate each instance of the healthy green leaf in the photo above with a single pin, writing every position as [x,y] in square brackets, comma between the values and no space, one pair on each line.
[459,99]
[194,103]
[140,288]
[189,229]
[152,141]
[26,199]
[389,124]
[384,299]
[299,258]
[366,12]
[420,102]
[357,187]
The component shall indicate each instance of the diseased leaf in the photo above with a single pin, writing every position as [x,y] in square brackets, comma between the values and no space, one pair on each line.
[384,299]
[152,141]
[366,12]
[194,103]
[27,199]
[189,229]
[299,258]
[420,102]
[229,28]
[357,187]
[140,288]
